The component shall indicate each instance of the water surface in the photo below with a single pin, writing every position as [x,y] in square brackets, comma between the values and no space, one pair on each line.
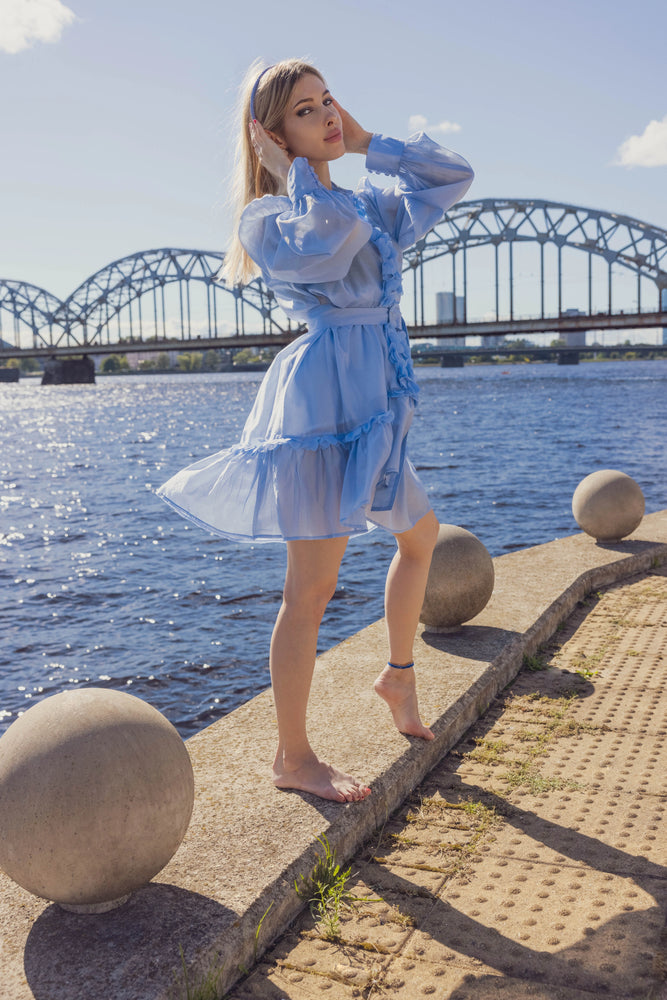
[102,584]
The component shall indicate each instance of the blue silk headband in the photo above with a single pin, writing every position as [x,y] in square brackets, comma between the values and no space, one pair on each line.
[253,116]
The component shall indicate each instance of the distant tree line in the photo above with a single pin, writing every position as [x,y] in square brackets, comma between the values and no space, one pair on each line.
[191,361]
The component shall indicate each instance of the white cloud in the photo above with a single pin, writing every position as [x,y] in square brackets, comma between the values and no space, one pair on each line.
[23,22]
[646,150]
[419,123]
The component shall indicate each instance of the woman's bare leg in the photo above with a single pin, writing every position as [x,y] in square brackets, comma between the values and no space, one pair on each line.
[312,572]
[404,596]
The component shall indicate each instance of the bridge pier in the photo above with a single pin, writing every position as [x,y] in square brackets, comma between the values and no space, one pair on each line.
[451,360]
[568,357]
[69,371]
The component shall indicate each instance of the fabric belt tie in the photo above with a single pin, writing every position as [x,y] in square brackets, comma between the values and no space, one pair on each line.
[326,315]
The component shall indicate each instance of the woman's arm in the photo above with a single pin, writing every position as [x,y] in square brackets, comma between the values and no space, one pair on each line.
[311,234]
[430,180]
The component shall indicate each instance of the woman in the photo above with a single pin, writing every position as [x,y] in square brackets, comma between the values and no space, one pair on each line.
[322,455]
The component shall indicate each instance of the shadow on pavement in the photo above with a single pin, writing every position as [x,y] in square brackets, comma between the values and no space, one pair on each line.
[72,956]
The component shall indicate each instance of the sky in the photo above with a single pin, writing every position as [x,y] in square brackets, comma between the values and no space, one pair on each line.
[117,117]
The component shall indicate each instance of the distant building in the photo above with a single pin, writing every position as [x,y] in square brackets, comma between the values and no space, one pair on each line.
[663,306]
[449,309]
[574,338]
[134,358]
[492,340]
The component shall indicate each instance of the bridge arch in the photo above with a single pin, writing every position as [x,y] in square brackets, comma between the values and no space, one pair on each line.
[29,306]
[120,285]
[618,240]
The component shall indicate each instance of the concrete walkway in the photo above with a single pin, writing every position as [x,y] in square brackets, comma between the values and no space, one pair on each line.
[530,862]
[229,890]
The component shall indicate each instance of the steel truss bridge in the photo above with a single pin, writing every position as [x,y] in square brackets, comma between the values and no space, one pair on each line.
[166,299]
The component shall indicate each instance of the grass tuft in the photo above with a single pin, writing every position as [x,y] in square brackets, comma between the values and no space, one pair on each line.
[535,662]
[525,774]
[207,988]
[326,891]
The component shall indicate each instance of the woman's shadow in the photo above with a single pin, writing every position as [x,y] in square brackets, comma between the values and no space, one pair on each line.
[133,952]
[588,964]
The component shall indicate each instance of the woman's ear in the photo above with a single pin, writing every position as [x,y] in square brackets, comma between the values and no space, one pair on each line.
[277,139]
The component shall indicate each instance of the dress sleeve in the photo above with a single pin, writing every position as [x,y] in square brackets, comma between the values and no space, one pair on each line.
[430,180]
[311,235]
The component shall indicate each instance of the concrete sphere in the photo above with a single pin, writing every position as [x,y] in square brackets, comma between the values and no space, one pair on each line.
[608,505]
[96,793]
[460,580]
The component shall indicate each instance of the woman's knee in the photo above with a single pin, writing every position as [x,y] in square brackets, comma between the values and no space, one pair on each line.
[309,597]
[419,542]
[312,575]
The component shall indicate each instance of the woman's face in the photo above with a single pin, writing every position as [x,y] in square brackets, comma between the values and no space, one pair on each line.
[312,126]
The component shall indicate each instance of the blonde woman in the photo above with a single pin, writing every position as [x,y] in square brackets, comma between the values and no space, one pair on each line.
[322,455]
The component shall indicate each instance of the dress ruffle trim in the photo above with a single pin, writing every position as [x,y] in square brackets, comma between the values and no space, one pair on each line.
[237,493]
[302,180]
[392,286]
[315,442]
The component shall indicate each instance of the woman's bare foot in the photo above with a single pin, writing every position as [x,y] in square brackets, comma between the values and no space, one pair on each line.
[313,775]
[398,688]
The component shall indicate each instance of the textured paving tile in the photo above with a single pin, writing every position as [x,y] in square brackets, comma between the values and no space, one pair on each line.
[530,862]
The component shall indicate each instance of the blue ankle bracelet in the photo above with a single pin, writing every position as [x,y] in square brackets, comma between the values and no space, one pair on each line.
[399,666]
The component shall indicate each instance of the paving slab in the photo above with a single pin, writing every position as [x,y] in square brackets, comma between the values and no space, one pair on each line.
[520,867]
[229,890]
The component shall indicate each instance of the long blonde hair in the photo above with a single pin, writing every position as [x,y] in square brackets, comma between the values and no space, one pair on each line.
[250,179]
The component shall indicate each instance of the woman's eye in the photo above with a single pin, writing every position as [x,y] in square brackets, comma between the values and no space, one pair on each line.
[303,111]
[328,100]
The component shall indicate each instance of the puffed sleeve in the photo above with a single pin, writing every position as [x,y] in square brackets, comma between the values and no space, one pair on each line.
[430,180]
[311,235]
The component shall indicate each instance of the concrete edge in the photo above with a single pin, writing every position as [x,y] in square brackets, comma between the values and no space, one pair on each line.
[278,905]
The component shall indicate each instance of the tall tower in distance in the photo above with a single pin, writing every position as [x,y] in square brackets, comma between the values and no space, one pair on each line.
[449,309]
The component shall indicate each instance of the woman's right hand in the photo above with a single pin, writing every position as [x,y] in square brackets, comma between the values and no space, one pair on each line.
[273,157]
[355,137]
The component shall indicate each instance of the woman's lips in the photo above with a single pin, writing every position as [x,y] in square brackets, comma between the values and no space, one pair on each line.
[334,137]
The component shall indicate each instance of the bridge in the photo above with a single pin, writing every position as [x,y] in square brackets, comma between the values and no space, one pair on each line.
[519,350]
[492,268]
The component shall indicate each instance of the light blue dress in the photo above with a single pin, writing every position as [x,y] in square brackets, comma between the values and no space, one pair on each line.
[322,453]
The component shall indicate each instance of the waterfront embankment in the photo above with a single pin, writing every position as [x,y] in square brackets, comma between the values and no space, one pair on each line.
[531,861]
[229,890]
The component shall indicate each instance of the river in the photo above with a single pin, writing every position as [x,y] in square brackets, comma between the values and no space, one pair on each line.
[102,584]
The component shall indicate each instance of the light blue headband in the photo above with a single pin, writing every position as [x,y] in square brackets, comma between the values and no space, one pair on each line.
[253,116]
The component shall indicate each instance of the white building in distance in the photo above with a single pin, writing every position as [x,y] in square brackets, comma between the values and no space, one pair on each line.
[449,309]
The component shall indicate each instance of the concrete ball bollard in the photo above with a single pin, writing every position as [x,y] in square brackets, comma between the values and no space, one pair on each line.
[460,580]
[608,505]
[96,794]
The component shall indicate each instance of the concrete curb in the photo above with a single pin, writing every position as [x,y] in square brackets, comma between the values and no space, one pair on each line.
[229,891]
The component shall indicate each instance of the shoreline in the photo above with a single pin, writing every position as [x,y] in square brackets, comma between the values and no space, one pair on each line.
[586,357]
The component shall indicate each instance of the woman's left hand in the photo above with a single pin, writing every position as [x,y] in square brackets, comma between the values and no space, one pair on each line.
[355,137]
[273,157]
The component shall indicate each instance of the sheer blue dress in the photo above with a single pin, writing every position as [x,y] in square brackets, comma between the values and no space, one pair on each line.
[322,453]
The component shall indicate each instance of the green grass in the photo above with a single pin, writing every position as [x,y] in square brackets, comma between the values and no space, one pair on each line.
[208,988]
[535,662]
[479,819]
[488,751]
[258,931]
[326,891]
[525,774]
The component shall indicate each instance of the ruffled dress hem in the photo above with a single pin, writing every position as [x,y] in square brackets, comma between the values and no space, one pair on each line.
[370,525]
[337,485]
